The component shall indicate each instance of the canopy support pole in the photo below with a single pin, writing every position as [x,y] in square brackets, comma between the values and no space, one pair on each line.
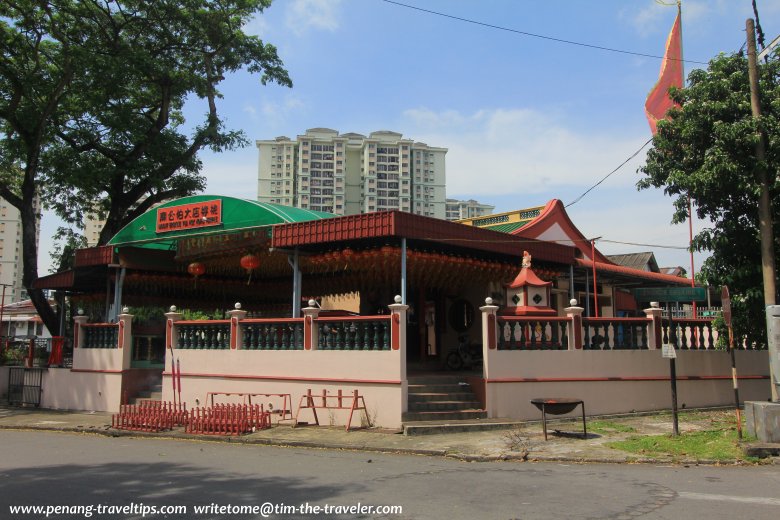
[292,259]
[120,282]
[403,271]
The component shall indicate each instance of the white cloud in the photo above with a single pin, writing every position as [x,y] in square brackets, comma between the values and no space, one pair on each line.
[656,18]
[303,15]
[257,26]
[520,150]
[251,111]
[277,113]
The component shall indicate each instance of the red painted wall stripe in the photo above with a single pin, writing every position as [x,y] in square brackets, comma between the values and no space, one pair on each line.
[601,379]
[290,378]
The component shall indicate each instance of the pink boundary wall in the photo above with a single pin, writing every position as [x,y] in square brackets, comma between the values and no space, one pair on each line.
[378,376]
[616,381]
[612,381]
[619,381]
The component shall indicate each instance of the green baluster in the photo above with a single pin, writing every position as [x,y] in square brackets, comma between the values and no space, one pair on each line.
[246,342]
[321,344]
[299,335]
[366,336]
[283,336]
[377,345]
[564,336]
[385,335]
[340,339]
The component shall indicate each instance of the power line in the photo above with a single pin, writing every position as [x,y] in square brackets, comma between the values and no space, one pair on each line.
[534,35]
[575,201]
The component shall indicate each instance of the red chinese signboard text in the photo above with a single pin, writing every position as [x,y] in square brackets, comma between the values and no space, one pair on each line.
[189,216]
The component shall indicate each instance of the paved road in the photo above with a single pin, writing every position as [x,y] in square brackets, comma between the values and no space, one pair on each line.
[42,468]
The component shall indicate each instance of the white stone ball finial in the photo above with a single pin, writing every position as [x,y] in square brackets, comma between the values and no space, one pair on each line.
[173,308]
[312,302]
[237,306]
[654,305]
[80,312]
[573,302]
[488,301]
[397,299]
[125,310]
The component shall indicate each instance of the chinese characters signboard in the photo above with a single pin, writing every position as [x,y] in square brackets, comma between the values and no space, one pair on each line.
[189,216]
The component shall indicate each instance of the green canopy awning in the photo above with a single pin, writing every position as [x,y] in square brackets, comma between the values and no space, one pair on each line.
[196,216]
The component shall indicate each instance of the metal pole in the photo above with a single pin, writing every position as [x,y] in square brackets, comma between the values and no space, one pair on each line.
[403,271]
[764,208]
[673,374]
[120,281]
[571,282]
[296,303]
[595,287]
[587,294]
[734,381]
[2,308]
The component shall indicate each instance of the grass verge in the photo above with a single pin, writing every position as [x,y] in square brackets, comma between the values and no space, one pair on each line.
[719,444]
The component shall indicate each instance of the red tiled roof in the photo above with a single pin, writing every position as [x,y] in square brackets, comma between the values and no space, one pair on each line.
[407,225]
[62,280]
[635,273]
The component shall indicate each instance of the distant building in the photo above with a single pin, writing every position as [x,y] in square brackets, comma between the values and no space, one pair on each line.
[350,173]
[642,261]
[11,265]
[460,209]
[92,227]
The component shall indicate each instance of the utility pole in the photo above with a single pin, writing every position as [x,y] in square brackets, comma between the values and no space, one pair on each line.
[764,211]
[764,208]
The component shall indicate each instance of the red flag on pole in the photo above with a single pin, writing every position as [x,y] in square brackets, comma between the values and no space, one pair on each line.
[658,102]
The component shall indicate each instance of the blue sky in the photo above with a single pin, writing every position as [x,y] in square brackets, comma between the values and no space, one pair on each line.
[525,119]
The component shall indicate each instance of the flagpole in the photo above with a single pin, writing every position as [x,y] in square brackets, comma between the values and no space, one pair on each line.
[690,204]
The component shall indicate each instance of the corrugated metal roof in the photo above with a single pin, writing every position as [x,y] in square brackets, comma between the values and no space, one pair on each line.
[636,260]
[507,228]
[237,214]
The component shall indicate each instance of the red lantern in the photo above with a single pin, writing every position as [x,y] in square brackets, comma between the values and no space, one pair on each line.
[196,269]
[250,263]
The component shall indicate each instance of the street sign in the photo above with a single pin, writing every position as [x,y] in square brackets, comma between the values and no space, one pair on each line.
[668,352]
[725,302]
[671,294]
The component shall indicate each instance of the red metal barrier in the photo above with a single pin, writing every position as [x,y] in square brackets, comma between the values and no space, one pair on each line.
[338,401]
[228,419]
[150,416]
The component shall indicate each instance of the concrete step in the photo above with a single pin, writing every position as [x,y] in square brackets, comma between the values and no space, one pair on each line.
[439,388]
[146,395]
[437,379]
[440,396]
[447,415]
[458,426]
[440,406]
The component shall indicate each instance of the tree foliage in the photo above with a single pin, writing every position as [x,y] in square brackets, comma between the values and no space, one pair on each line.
[91,104]
[706,151]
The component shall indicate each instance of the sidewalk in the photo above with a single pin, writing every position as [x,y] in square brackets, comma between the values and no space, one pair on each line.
[525,442]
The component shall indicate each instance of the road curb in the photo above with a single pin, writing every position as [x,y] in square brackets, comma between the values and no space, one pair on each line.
[107,431]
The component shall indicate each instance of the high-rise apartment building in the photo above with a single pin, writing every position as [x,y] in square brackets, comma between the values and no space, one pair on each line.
[11,265]
[350,173]
[460,209]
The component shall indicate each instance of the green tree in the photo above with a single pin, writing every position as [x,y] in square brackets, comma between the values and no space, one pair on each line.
[91,101]
[706,151]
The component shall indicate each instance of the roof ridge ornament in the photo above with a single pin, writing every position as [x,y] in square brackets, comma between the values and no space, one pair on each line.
[526,259]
